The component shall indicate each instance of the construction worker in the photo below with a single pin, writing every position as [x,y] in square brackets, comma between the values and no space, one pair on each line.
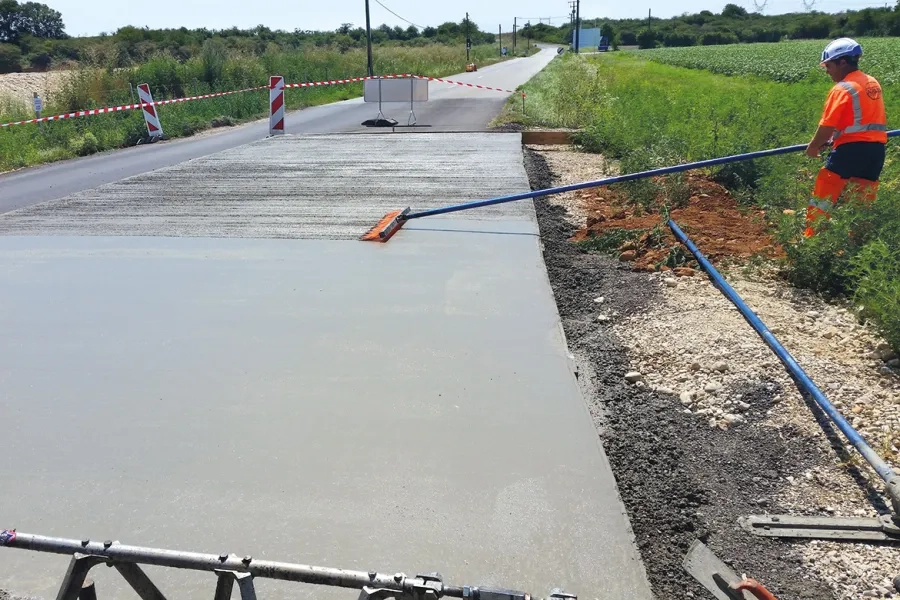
[854,118]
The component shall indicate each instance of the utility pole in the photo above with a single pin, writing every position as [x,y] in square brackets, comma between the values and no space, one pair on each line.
[649,19]
[468,39]
[514,35]
[500,38]
[577,26]
[572,21]
[369,41]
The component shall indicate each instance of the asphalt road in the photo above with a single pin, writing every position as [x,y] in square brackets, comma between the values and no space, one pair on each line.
[202,357]
[450,108]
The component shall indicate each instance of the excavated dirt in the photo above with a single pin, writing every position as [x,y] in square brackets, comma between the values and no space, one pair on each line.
[679,478]
[19,87]
[712,218]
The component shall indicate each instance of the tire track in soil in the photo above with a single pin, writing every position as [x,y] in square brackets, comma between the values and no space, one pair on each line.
[679,479]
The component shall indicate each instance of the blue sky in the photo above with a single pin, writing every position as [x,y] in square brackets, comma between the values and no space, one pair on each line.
[94,16]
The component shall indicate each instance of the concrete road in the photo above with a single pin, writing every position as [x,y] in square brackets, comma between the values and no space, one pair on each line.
[407,406]
[451,108]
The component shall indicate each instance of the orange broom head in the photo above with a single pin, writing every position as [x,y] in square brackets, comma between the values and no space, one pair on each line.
[386,227]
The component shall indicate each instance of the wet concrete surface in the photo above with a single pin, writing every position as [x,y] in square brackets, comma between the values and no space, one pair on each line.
[451,108]
[304,186]
[407,406]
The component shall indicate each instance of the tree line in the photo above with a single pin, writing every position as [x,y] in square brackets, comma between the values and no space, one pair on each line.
[734,25]
[33,38]
[32,35]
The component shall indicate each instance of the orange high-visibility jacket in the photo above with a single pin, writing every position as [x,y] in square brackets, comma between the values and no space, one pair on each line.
[855,107]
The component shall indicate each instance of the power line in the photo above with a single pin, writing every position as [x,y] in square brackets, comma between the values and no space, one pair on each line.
[398,16]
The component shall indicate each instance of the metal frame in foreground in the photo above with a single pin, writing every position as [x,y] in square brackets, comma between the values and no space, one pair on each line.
[230,569]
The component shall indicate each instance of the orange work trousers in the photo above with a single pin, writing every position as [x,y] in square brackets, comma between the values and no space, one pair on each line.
[829,187]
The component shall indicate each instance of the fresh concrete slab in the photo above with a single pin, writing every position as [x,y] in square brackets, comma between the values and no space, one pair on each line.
[408,406]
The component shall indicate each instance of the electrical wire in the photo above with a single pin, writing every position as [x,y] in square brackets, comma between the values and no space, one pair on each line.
[398,16]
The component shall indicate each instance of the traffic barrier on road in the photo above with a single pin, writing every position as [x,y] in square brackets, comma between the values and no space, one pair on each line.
[276,105]
[154,127]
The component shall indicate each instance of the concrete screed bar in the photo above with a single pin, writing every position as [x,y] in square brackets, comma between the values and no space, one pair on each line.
[392,222]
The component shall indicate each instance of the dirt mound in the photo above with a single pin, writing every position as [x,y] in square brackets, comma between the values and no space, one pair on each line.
[19,87]
[712,218]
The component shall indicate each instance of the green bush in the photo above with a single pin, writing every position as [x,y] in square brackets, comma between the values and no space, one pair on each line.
[875,271]
[10,58]
[84,145]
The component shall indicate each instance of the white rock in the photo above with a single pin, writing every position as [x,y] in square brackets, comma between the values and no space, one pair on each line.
[721,366]
[687,398]
[713,423]
[603,318]
[732,419]
[600,300]
[712,387]
[633,377]
[813,314]
[671,282]
[744,405]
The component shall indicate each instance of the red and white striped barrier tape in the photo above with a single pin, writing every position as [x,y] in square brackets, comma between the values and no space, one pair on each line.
[471,85]
[398,76]
[341,81]
[111,109]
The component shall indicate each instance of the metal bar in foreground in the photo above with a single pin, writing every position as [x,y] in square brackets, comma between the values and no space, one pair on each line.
[374,586]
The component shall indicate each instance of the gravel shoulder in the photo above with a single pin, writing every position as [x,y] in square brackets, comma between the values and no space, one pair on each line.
[714,429]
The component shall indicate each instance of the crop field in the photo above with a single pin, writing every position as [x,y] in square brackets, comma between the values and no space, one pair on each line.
[784,61]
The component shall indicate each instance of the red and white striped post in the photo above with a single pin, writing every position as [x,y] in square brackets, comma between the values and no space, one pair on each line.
[154,127]
[276,105]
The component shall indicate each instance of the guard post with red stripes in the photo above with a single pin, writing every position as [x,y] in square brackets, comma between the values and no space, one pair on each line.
[154,127]
[276,105]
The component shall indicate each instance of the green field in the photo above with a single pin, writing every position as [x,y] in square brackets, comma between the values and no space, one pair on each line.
[785,61]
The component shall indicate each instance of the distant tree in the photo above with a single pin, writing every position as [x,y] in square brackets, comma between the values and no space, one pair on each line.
[612,35]
[10,58]
[430,32]
[681,36]
[40,21]
[9,20]
[412,32]
[646,39]
[345,28]
[733,11]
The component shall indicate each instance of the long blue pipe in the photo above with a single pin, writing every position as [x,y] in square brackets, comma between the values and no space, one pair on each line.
[803,381]
[610,180]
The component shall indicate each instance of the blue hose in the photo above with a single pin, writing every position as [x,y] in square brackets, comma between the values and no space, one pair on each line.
[610,180]
[803,381]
